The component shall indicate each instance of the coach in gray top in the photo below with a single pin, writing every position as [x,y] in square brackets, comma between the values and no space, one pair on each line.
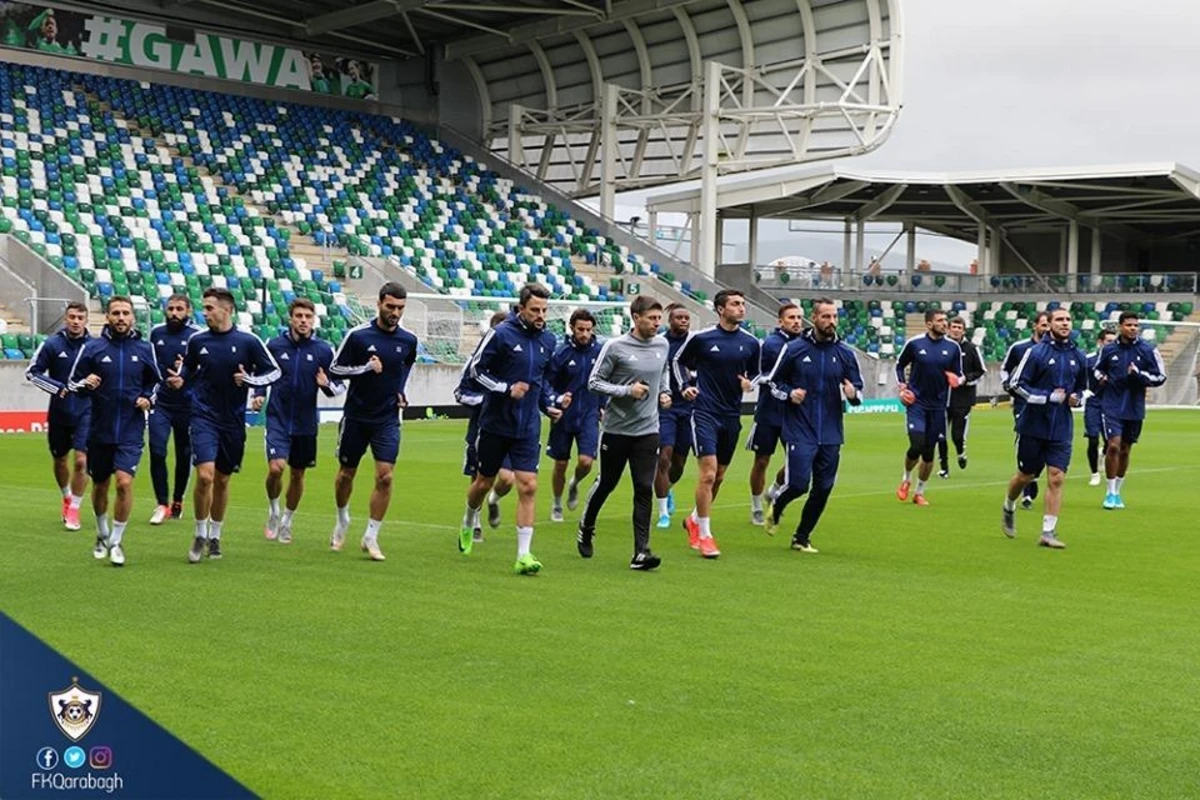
[632,371]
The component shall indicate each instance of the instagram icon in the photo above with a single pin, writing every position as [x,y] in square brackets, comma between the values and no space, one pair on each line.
[100,757]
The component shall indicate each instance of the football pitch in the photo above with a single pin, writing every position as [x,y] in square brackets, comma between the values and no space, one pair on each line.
[919,654]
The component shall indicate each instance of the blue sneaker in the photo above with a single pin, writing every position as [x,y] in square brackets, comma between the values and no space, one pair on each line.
[670,504]
[1118,503]
[664,520]
[1110,501]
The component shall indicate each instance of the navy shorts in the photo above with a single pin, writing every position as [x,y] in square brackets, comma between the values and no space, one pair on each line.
[300,452]
[763,439]
[1130,430]
[105,459]
[471,453]
[927,422]
[1093,419]
[817,463]
[495,451]
[712,436]
[354,436]
[586,441]
[162,422]
[1034,454]
[66,434]
[211,444]
[675,429]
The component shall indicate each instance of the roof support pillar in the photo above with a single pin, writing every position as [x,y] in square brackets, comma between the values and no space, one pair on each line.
[753,238]
[516,148]
[608,152]
[1097,244]
[981,249]
[1073,248]
[652,230]
[910,257]
[710,125]
[846,246]
[860,248]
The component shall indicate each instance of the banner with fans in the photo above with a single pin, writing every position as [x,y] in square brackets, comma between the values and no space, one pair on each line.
[150,45]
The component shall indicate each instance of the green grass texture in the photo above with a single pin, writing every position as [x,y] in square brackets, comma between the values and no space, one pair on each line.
[920,654]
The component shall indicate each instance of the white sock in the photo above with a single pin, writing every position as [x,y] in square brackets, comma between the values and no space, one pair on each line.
[343,515]
[76,501]
[920,486]
[1049,523]
[705,530]
[286,519]
[1112,485]
[471,517]
[118,530]
[214,528]
[492,498]
[201,529]
[907,476]
[102,525]
[571,486]
[662,506]
[558,501]
[66,490]
[274,503]
[524,540]
[775,490]
[373,526]
[756,502]
[1120,483]
[1010,505]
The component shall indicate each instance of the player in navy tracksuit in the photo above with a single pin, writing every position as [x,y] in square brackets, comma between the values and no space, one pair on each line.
[377,359]
[511,364]
[724,360]
[1126,369]
[927,369]
[220,367]
[117,374]
[1016,351]
[675,422]
[172,410]
[570,367]
[1093,411]
[1051,379]
[69,415]
[768,413]
[470,394]
[812,376]
[292,416]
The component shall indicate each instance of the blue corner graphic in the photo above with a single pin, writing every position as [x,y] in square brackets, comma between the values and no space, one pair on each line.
[66,734]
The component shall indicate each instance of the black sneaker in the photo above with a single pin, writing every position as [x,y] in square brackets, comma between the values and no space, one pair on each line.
[214,548]
[477,535]
[644,561]
[177,509]
[583,540]
[803,545]
[494,514]
[962,461]
[197,551]
[944,472]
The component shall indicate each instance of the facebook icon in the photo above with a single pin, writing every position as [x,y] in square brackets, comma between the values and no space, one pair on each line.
[47,758]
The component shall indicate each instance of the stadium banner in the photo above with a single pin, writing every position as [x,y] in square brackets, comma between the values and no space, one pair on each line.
[23,421]
[888,406]
[66,734]
[145,44]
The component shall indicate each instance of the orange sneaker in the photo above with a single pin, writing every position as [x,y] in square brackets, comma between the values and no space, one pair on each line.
[693,531]
[72,520]
[708,548]
[65,507]
[902,492]
[919,500]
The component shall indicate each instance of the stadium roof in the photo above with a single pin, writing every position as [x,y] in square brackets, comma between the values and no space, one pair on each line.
[1131,201]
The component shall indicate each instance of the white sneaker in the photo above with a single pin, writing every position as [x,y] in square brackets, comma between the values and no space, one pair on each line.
[117,556]
[285,534]
[339,535]
[1095,481]
[556,514]
[101,549]
[161,514]
[372,549]
[270,530]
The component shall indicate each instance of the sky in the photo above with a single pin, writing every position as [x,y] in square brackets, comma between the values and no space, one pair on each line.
[1026,83]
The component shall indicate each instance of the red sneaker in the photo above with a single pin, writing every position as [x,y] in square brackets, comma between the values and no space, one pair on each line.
[693,531]
[72,520]
[708,548]
[902,492]
[66,506]
[919,500]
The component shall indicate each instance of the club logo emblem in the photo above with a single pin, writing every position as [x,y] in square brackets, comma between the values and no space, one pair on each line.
[74,710]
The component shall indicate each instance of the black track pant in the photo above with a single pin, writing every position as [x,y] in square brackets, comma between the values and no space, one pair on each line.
[641,454]
[958,434]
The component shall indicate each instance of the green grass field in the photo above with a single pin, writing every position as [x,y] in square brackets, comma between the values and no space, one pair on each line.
[920,654]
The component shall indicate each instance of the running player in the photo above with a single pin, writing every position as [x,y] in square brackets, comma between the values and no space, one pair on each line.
[768,413]
[1041,325]
[580,424]
[172,410]
[962,398]
[1093,410]
[674,422]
